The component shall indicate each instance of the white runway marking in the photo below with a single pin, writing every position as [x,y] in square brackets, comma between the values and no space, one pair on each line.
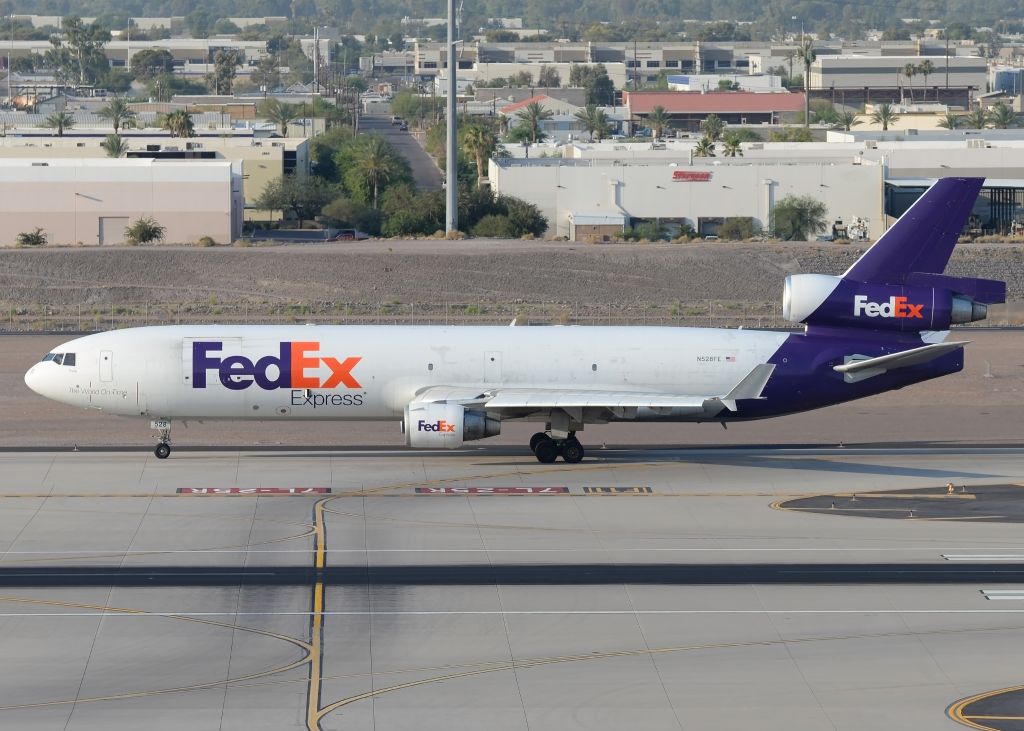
[1003,594]
[984,557]
[85,553]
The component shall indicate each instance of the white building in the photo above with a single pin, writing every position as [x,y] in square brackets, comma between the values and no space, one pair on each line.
[851,71]
[92,201]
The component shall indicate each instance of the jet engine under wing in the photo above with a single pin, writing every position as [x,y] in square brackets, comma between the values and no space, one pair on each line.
[857,367]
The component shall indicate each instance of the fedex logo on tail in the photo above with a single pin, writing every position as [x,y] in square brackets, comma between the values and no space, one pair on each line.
[898,307]
[296,365]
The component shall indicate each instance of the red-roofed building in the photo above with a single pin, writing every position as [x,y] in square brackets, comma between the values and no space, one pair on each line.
[687,109]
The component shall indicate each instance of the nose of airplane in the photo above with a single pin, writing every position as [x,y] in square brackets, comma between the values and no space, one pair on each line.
[32,378]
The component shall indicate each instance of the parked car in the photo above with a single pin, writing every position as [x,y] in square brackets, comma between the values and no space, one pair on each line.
[396,121]
[404,127]
[349,234]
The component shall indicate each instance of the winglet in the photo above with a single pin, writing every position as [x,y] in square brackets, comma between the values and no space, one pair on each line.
[750,387]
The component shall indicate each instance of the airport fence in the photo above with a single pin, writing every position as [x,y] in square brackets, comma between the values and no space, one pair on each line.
[704,313]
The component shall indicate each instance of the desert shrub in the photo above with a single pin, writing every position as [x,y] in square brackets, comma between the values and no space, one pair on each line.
[495,227]
[738,228]
[206,241]
[145,230]
[32,238]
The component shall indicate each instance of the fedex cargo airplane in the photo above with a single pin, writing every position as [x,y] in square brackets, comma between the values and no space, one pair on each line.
[879,326]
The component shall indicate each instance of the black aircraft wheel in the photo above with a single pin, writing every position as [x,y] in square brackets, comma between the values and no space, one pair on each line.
[162,451]
[546,451]
[572,451]
[537,439]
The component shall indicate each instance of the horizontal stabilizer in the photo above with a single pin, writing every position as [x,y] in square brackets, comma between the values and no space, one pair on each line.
[986,291]
[858,368]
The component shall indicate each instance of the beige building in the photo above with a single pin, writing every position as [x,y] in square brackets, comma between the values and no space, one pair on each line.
[259,160]
[92,201]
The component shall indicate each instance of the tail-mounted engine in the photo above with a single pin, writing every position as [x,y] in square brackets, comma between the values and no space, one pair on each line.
[445,426]
[925,302]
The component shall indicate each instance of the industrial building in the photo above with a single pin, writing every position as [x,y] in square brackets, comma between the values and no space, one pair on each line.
[867,178]
[92,201]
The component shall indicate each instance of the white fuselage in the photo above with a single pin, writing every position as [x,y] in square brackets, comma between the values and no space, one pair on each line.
[374,372]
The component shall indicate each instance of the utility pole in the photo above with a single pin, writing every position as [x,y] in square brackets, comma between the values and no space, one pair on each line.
[451,208]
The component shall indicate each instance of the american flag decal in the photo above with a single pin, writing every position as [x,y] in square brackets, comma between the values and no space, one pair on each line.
[730,359]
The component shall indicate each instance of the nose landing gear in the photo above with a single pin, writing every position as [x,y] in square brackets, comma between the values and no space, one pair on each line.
[547,449]
[163,447]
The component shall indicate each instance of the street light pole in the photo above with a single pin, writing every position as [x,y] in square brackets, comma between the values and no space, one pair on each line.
[451,209]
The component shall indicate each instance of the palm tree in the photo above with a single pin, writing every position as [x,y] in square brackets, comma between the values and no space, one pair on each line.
[178,123]
[376,164]
[713,127]
[910,71]
[732,146]
[60,121]
[280,113]
[949,121]
[118,112]
[926,69]
[481,142]
[847,120]
[594,121]
[114,145]
[976,119]
[806,54]
[704,148]
[1001,116]
[534,114]
[884,115]
[657,120]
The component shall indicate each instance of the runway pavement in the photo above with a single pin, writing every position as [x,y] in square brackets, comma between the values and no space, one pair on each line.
[386,589]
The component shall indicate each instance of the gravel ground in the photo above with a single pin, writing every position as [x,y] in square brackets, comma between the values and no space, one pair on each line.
[440,271]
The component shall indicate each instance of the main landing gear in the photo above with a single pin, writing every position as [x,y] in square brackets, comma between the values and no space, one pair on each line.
[163,447]
[547,449]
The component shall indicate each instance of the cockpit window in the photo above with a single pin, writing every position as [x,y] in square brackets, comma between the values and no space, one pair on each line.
[69,359]
[48,356]
[58,358]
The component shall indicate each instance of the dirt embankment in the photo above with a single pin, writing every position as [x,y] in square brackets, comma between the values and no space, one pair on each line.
[431,271]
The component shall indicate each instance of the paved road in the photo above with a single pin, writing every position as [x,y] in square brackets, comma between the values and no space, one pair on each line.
[424,172]
[679,600]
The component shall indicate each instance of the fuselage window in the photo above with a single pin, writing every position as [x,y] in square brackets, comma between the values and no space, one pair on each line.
[69,359]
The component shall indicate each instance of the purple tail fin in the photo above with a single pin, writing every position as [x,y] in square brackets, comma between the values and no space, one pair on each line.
[922,240]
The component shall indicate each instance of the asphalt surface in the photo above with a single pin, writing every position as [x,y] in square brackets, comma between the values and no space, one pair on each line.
[381,589]
[425,172]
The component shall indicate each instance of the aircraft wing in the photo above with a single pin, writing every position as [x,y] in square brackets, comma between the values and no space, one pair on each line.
[859,367]
[539,399]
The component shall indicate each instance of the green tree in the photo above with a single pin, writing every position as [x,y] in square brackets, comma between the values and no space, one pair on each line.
[79,51]
[884,115]
[977,118]
[949,120]
[847,120]
[910,71]
[807,56]
[118,113]
[594,78]
[225,65]
[178,123]
[346,213]
[926,69]
[1002,116]
[594,121]
[303,197]
[375,164]
[713,127]
[732,146]
[533,115]
[704,148]
[658,120]
[548,77]
[481,143]
[797,218]
[738,228]
[521,79]
[150,63]
[145,230]
[267,75]
[279,113]
[114,145]
[60,121]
